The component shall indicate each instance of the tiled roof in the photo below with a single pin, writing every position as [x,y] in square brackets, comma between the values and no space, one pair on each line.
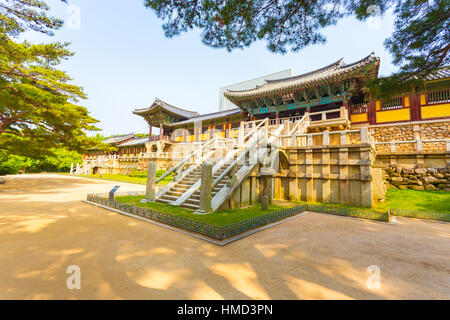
[331,71]
[168,107]
[210,116]
[118,139]
[134,142]
[441,73]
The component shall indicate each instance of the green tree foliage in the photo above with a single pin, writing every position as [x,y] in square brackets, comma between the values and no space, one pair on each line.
[420,42]
[59,161]
[39,108]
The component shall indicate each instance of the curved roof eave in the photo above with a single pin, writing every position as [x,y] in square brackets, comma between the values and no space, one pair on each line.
[333,70]
[167,107]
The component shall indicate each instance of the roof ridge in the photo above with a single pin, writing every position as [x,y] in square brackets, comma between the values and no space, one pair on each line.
[334,64]
[157,99]
[337,67]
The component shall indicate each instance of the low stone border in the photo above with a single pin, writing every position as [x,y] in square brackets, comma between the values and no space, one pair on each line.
[225,232]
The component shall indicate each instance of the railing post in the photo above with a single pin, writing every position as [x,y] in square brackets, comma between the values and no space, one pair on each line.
[309,141]
[325,138]
[343,112]
[241,133]
[447,144]
[419,146]
[392,147]
[343,138]
[324,116]
[364,134]
[293,140]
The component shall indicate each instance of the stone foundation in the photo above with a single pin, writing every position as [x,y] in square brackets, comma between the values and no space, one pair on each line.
[342,174]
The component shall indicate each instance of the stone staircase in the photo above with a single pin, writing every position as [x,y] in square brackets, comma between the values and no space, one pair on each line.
[193,202]
[229,169]
[181,187]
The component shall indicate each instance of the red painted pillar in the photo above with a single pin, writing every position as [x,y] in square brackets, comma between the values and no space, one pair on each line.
[415,107]
[371,116]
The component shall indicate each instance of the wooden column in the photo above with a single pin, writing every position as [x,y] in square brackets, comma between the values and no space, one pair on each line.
[414,106]
[371,112]
[161,130]
[150,133]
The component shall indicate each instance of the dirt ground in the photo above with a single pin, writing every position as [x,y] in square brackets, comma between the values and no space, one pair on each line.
[44,228]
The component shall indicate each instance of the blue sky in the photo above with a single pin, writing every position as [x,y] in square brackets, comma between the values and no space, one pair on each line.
[123,61]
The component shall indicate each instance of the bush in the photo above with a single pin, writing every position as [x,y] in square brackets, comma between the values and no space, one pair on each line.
[142,174]
[137,174]
[60,161]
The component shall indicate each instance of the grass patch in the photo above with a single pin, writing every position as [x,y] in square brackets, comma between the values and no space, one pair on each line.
[216,218]
[124,178]
[414,200]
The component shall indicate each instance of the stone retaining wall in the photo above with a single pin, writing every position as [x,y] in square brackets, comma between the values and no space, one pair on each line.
[418,178]
[343,174]
[411,132]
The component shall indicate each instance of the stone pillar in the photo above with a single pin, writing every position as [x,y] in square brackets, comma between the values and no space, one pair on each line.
[151,181]
[366,177]
[326,170]
[364,135]
[269,187]
[309,170]
[344,186]
[206,187]
[71,168]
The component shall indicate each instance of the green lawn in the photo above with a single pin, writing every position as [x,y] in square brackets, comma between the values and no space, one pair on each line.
[217,218]
[124,178]
[413,200]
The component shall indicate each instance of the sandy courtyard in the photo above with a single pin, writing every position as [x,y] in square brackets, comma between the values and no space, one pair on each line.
[44,228]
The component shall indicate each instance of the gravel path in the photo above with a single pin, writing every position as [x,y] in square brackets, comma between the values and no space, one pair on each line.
[44,228]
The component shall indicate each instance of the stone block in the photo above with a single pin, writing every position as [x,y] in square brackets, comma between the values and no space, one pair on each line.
[265,203]
[430,187]
[429,180]
[416,187]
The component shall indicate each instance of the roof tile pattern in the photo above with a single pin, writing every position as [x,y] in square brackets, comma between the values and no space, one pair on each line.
[334,70]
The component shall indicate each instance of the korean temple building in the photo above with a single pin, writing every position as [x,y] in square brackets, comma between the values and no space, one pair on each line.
[324,103]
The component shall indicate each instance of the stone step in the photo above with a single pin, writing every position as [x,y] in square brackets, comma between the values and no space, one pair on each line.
[185,185]
[163,201]
[193,201]
[174,193]
[169,197]
[189,206]
[178,189]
